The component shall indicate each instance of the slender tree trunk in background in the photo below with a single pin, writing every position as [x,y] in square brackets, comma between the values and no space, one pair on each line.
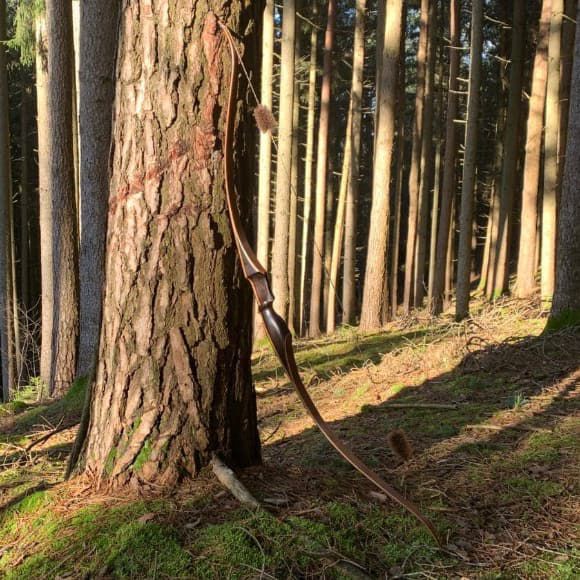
[427,159]
[173,383]
[567,294]
[24,202]
[450,258]
[265,167]
[469,164]
[284,157]
[549,206]
[486,279]
[65,328]
[294,180]
[529,241]
[434,220]
[339,226]
[308,171]
[487,246]
[349,267]
[331,202]
[98,43]
[45,201]
[7,335]
[400,168]
[76,35]
[449,178]
[375,272]
[322,173]
[509,175]
[415,173]
[568,36]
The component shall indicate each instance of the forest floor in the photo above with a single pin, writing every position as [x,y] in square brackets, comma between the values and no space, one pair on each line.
[491,407]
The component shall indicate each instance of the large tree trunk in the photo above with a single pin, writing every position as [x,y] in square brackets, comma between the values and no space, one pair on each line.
[526,276]
[7,337]
[427,160]
[284,156]
[98,45]
[415,173]
[308,171]
[349,266]
[566,304]
[501,229]
[173,380]
[44,201]
[469,165]
[449,179]
[265,167]
[549,207]
[375,273]
[62,186]
[322,173]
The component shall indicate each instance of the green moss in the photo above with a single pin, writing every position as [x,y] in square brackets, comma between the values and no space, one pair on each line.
[534,490]
[396,388]
[143,456]
[110,461]
[565,319]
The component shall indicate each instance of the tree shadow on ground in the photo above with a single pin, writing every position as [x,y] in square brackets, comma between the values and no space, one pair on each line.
[494,470]
[346,353]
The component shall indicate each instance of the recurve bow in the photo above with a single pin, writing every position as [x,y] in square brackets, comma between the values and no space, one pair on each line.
[276,327]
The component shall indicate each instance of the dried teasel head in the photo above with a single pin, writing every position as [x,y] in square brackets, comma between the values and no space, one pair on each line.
[264,118]
[400,444]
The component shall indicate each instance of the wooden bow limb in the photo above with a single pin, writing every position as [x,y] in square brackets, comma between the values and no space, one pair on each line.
[276,327]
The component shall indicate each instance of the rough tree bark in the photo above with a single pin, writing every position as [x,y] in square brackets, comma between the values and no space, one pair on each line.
[7,337]
[375,273]
[173,380]
[284,156]
[469,165]
[349,266]
[549,205]
[415,172]
[566,306]
[98,43]
[449,178]
[526,275]
[322,173]
[62,186]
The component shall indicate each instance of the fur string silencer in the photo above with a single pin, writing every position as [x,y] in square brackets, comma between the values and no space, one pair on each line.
[276,327]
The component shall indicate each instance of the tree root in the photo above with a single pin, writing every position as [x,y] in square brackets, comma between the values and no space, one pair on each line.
[231,482]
